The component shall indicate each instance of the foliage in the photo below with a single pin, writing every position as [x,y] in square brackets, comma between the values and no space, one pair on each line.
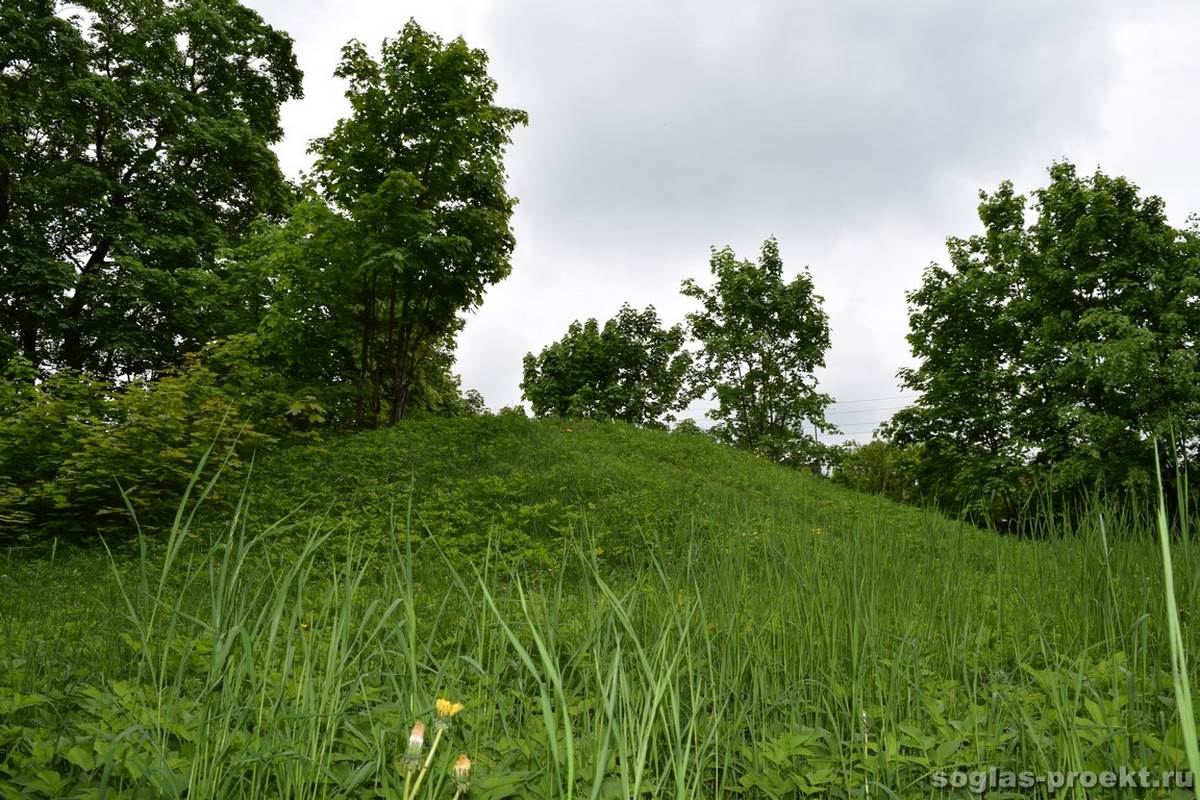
[307,329]
[1055,353]
[416,173]
[310,329]
[762,337]
[74,451]
[633,370]
[877,467]
[688,427]
[134,144]
[769,641]
[153,303]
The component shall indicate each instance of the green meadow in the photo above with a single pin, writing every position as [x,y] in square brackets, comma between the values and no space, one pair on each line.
[621,612]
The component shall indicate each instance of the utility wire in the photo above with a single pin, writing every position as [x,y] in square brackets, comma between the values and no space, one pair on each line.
[866,410]
[910,396]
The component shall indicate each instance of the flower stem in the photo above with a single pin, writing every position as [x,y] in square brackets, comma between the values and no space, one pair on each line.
[437,737]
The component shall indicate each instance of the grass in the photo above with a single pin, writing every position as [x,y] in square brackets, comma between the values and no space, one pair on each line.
[623,613]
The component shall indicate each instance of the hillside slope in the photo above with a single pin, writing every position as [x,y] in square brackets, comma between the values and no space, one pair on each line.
[526,485]
[622,612]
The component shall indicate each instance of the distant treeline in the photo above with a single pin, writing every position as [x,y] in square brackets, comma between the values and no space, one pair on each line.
[1058,360]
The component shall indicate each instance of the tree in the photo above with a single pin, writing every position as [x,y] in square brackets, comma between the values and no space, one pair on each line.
[632,369]
[304,272]
[762,337]
[877,467]
[1055,352]
[134,145]
[417,171]
[309,329]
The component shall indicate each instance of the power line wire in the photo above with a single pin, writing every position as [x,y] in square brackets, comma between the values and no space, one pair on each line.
[877,399]
[867,410]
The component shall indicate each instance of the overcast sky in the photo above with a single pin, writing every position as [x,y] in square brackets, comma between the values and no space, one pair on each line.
[857,133]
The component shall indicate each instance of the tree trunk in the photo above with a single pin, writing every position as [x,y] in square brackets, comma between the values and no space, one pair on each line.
[399,389]
[364,371]
[72,335]
[29,339]
[394,355]
[4,191]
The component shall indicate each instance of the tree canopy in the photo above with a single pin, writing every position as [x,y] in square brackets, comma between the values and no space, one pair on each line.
[761,339]
[158,275]
[630,369]
[417,171]
[1057,351]
[134,144]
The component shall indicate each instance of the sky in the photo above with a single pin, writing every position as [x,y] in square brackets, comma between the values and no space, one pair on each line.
[858,134]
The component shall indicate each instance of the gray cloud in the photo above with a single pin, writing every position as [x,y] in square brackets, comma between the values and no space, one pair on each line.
[858,133]
[673,120]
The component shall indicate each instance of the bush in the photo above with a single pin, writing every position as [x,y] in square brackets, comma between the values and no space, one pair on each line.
[878,467]
[74,451]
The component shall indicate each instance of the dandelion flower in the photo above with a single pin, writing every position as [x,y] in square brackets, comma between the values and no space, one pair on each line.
[447,709]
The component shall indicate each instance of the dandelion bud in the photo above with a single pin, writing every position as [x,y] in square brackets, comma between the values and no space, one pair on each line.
[416,741]
[462,770]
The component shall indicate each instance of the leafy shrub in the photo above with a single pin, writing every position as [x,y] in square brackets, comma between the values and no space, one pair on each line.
[878,467]
[74,451]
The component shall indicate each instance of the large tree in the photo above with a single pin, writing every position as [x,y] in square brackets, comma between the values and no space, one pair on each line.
[308,271]
[630,369]
[417,171]
[1058,350]
[134,144]
[762,338]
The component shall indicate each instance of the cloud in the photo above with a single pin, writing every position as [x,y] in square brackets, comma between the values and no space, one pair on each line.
[675,118]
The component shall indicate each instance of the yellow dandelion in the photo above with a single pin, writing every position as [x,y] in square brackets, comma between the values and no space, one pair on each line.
[447,709]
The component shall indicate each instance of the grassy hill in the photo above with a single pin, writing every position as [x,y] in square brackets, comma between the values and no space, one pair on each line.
[536,489]
[622,613]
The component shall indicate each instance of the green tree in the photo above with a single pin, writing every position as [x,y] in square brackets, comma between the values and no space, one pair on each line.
[762,338]
[632,369]
[305,271]
[1056,352]
[417,172]
[878,467]
[134,145]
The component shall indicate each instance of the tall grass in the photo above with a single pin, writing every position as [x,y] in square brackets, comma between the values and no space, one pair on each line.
[1179,671]
[769,652]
